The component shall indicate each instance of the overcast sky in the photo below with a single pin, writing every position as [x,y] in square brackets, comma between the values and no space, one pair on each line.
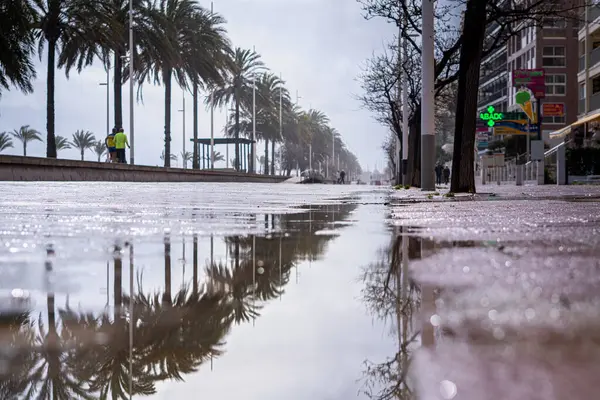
[317,45]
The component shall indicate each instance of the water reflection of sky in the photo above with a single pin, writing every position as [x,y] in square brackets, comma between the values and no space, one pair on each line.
[310,343]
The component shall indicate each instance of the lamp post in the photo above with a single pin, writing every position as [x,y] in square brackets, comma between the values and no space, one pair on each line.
[184,161]
[131,129]
[253,155]
[226,130]
[280,124]
[107,101]
[212,122]
[427,99]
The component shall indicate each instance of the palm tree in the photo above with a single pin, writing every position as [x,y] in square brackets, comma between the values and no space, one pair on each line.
[181,23]
[26,134]
[210,60]
[76,28]
[99,148]
[238,88]
[62,143]
[83,140]
[185,157]
[17,44]
[146,36]
[173,157]
[269,86]
[5,141]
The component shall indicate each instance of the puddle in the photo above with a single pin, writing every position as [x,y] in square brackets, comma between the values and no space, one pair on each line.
[155,310]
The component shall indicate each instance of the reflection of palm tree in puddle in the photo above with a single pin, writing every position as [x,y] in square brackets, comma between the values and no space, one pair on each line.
[86,356]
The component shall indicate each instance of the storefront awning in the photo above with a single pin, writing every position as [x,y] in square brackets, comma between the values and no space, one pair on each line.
[561,133]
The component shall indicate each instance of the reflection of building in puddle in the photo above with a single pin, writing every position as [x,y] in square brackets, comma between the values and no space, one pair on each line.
[161,335]
[390,294]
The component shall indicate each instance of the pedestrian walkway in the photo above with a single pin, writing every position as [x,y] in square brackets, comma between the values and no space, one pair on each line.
[509,284]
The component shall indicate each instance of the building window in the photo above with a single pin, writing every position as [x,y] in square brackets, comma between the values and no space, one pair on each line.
[582,91]
[556,84]
[553,56]
[554,22]
[554,120]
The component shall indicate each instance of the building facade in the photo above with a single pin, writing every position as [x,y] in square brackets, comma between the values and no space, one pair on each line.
[552,46]
[588,76]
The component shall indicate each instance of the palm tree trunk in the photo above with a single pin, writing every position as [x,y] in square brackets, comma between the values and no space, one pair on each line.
[195,123]
[24,148]
[272,157]
[118,89]
[118,286]
[266,171]
[99,155]
[82,150]
[237,131]
[167,82]
[167,293]
[195,266]
[50,138]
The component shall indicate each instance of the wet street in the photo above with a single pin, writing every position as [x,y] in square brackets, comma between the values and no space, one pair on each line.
[272,292]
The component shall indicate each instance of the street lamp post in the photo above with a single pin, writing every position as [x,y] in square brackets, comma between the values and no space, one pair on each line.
[107,101]
[184,161]
[280,124]
[226,130]
[131,129]
[212,123]
[427,99]
[253,121]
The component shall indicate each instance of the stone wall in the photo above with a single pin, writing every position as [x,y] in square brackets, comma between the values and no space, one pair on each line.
[17,168]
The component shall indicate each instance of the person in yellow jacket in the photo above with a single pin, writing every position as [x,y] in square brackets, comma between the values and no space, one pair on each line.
[110,145]
[120,143]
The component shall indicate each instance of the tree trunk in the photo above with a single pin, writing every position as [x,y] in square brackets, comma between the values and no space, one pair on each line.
[99,156]
[195,266]
[118,89]
[266,171]
[50,84]
[167,83]
[237,130]
[82,151]
[414,149]
[118,284]
[195,163]
[272,157]
[463,158]
[167,298]
[24,149]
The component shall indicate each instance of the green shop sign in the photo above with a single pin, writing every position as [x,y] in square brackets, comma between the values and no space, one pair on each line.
[491,117]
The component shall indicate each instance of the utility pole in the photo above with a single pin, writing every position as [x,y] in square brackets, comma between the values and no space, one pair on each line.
[427,99]
[182,111]
[131,130]
[212,121]
[253,121]
[280,124]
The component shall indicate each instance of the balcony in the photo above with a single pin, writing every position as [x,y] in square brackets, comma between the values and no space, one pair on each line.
[593,13]
[595,102]
[594,59]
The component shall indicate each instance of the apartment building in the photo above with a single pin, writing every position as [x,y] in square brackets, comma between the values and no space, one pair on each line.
[551,46]
[588,76]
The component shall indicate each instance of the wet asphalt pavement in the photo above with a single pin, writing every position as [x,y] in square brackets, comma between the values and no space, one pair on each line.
[507,294]
[298,292]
